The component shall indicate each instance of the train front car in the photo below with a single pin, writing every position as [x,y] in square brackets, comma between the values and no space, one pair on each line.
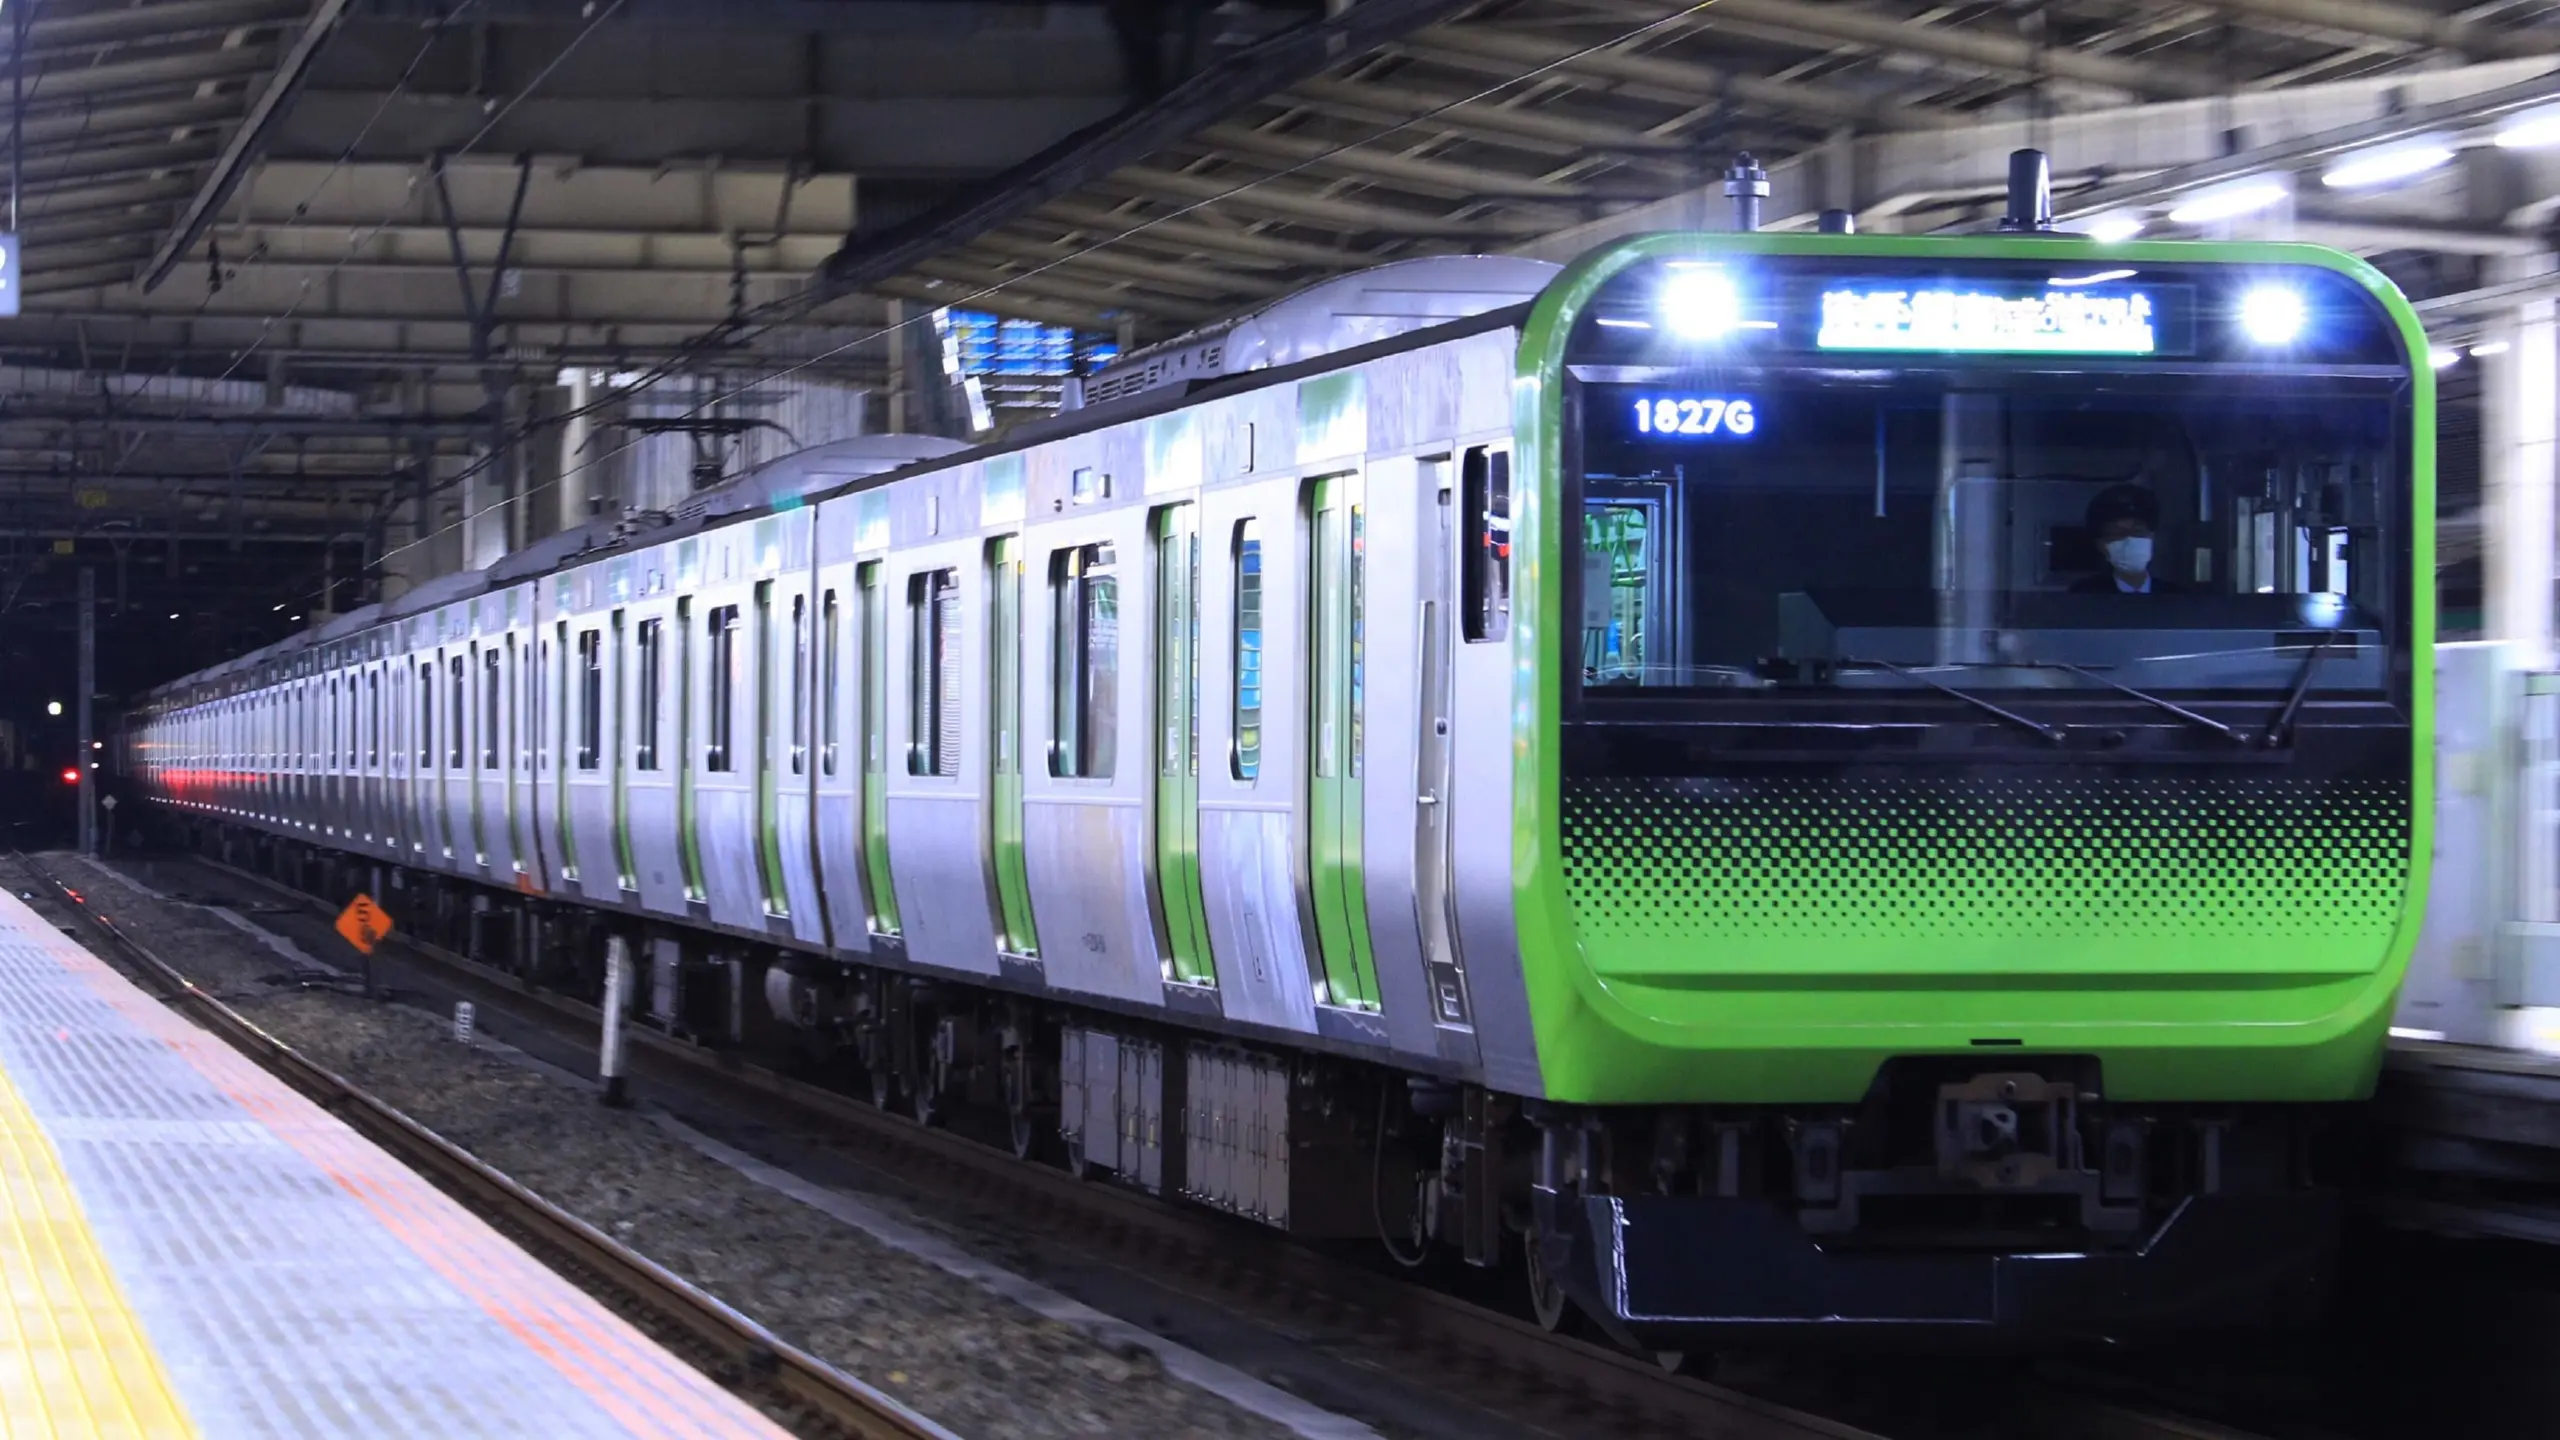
[1974,775]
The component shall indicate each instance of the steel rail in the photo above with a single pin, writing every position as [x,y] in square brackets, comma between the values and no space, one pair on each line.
[1212,1252]
[857,1408]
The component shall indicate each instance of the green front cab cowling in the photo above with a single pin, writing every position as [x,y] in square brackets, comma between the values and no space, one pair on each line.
[2236,939]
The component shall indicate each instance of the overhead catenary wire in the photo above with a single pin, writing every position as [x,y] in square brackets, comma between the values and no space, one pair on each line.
[727,331]
[302,208]
[356,246]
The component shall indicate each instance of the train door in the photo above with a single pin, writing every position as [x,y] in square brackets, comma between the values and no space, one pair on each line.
[1432,770]
[518,758]
[1016,932]
[688,841]
[457,752]
[789,767]
[613,678]
[874,711]
[1176,828]
[332,806]
[768,657]
[1336,787]
[551,748]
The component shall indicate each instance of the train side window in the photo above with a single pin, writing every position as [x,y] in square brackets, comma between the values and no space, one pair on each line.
[1245,758]
[373,706]
[933,662]
[799,684]
[830,653]
[717,753]
[426,715]
[490,677]
[1084,590]
[590,699]
[331,752]
[455,715]
[652,680]
[1484,555]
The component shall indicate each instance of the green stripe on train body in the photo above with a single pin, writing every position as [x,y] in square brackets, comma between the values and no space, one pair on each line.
[1704,999]
[1017,931]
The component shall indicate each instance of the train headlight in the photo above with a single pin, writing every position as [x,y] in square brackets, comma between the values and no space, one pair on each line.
[2272,315]
[1698,303]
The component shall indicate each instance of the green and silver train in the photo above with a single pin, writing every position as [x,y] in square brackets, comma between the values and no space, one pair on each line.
[1790,780]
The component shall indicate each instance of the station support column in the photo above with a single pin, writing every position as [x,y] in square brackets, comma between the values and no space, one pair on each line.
[2519,354]
[2520,471]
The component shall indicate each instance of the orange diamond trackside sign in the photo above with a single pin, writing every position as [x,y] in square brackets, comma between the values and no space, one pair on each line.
[363,923]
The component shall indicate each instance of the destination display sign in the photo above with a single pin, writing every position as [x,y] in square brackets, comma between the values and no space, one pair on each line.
[2004,319]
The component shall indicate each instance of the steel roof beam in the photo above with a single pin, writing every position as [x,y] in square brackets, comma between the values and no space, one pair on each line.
[2413,121]
[245,140]
[1377,163]
[1305,205]
[1066,289]
[2009,55]
[1019,307]
[91,163]
[1425,111]
[1065,254]
[118,77]
[54,28]
[1211,95]
[1185,231]
[1682,83]
[2404,24]
[100,199]
[87,124]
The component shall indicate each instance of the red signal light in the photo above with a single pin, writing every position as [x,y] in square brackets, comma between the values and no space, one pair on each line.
[70,775]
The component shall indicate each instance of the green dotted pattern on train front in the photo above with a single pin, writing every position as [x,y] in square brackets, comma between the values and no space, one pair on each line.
[1698,876]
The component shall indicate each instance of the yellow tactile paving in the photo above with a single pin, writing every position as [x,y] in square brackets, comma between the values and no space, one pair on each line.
[73,1360]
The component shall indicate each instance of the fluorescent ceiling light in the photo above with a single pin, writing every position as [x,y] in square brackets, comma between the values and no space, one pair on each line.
[2385,164]
[2531,129]
[2117,227]
[1614,323]
[2492,347]
[2229,202]
[2442,358]
[2095,277]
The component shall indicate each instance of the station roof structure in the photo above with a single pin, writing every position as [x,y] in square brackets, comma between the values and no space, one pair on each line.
[279,256]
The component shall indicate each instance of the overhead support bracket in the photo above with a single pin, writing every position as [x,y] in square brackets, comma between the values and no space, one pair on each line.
[1134,135]
[233,163]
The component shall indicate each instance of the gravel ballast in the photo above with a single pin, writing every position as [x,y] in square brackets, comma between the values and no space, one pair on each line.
[973,1361]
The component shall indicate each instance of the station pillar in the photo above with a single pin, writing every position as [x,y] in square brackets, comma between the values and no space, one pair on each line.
[2520,470]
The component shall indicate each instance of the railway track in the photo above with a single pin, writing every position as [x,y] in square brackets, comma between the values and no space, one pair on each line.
[1503,1363]
[744,1355]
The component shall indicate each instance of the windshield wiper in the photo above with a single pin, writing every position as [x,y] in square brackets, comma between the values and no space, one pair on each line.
[2282,724]
[2052,734]
[2172,706]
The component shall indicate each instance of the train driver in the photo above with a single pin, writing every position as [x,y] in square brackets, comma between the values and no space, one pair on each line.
[2123,521]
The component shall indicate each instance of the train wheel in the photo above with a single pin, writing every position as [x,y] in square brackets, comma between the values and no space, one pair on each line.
[1022,1127]
[1547,1300]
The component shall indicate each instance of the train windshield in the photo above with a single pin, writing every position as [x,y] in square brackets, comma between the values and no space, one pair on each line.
[2188,530]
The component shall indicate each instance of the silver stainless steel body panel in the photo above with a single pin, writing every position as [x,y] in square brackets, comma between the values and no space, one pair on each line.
[780,844]
[938,823]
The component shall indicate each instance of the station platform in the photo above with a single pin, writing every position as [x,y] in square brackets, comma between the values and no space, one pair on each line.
[188,1247]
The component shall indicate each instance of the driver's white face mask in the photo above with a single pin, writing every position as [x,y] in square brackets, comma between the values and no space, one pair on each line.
[2130,555]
